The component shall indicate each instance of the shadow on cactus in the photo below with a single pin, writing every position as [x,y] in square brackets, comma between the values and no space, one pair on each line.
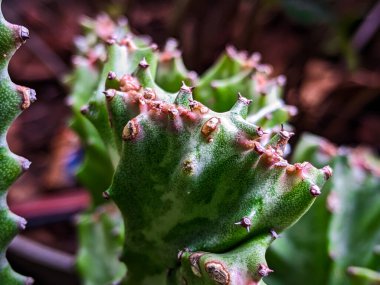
[338,239]
[14,99]
[203,194]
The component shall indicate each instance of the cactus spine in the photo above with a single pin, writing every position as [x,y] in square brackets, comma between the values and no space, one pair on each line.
[14,99]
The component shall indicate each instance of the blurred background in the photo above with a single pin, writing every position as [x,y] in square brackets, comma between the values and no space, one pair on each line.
[328,50]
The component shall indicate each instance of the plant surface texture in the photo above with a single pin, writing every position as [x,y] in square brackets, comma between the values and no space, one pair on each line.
[14,99]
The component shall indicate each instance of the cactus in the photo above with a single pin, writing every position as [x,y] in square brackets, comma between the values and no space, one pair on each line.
[14,99]
[192,178]
[338,239]
[203,194]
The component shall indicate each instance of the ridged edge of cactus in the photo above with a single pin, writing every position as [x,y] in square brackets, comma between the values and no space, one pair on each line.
[14,99]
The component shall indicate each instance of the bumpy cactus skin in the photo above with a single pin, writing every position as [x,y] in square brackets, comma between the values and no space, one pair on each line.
[14,99]
[338,239]
[203,194]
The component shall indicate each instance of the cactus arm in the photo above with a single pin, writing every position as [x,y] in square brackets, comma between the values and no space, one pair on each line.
[238,266]
[343,224]
[14,99]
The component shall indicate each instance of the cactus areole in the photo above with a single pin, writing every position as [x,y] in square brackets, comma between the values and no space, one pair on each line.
[13,100]
[202,197]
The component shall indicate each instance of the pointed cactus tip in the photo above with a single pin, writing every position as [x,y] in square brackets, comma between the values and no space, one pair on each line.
[106,195]
[143,63]
[243,99]
[32,95]
[85,109]
[110,94]
[182,252]
[111,75]
[274,234]
[286,135]
[260,132]
[186,88]
[264,270]
[231,51]
[327,171]
[315,190]
[28,96]
[24,33]
[25,164]
[21,224]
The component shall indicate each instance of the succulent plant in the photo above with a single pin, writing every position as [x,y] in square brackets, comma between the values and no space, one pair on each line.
[338,239]
[203,194]
[14,99]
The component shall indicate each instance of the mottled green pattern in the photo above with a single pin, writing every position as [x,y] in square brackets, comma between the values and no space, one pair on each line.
[13,100]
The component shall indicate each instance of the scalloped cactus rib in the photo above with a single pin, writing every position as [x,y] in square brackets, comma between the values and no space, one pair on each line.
[192,178]
[14,99]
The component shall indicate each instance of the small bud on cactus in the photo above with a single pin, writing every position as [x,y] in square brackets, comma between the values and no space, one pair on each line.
[14,99]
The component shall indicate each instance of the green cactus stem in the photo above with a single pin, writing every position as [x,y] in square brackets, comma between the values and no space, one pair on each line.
[14,99]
